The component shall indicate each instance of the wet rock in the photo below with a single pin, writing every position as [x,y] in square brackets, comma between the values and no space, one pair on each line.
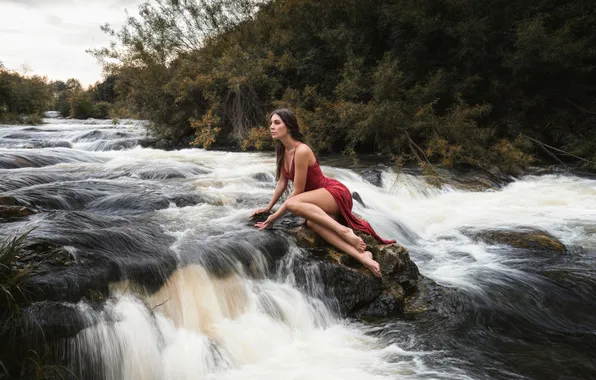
[8,201]
[356,291]
[354,286]
[430,301]
[32,335]
[470,179]
[524,238]
[373,175]
[184,200]
[90,136]
[7,212]
[349,288]
[56,320]
[384,306]
[49,144]
[166,144]
[263,177]
[44,256]
[358,198]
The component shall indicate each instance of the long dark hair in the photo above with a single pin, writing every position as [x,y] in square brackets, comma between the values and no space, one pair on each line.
[291,122]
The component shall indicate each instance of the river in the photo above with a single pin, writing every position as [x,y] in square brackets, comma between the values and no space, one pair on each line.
[108,200]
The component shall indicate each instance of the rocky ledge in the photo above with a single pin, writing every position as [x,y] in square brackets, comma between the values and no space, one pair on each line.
[524,238]
[354,291]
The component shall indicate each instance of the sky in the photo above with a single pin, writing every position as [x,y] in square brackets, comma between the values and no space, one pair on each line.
[49,37]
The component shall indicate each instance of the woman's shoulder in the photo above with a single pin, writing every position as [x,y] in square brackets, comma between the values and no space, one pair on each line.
[303,148]
[304,152]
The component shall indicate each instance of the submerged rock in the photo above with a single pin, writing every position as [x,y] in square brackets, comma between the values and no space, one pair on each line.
[374,176]
[525,238]
[7,212]
[384,306]
[358,198]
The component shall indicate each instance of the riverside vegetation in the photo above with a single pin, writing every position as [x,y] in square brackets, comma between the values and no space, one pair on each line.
[484,84]
[492,85]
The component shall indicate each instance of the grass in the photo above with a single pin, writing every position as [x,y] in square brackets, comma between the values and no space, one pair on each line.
[11,278]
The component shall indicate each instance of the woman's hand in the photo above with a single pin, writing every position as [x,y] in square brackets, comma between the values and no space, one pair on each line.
[262,210]
[267,223]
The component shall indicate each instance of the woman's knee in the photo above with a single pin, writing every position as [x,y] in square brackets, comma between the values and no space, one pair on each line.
[293,206]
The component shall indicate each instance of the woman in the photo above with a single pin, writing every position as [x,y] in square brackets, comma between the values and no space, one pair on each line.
[320,200]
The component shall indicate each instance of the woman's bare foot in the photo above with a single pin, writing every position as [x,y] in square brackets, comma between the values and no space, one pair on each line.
[353,239]
[371,264]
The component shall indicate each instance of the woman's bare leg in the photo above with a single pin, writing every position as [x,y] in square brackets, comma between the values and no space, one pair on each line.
[318,206]
[335,240]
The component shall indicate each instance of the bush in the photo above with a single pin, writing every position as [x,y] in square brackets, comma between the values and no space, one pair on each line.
[101,110]
[81,106]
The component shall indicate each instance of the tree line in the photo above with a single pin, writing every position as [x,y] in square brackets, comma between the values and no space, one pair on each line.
[489,84]
[24,99]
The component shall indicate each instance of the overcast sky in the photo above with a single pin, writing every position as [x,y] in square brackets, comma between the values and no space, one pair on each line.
[51,36]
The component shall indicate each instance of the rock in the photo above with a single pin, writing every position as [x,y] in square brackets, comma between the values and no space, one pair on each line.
[384,306]
[56,320]
[8,201]
[356,291]
[14,211]
[470,179]
[430,300]
[166,144]
[373,175]
[525,238]
[350,289]
[358,198]
[35,330]
[148,143]
[263,177]
[354,287]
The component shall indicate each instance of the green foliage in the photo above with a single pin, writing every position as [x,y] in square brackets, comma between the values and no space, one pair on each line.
[22,96]
[101,110]
[80,105]
[448,83]
[24,99]
[11,279]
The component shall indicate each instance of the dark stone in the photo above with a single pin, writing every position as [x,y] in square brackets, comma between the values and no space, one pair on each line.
[352,285]
[350,288]
[14,211]
[184,200]
[56,320]
[358,198]
[90,136]
[148,143]
[167,144]
[8,201]
[50,144]
[430,301]
[264,177]
[471,179]
[384,306]
[373,175]
[524,238]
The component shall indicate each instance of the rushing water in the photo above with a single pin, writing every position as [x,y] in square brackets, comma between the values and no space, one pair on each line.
[219,311]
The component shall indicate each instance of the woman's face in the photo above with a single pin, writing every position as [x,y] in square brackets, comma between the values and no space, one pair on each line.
[277,128]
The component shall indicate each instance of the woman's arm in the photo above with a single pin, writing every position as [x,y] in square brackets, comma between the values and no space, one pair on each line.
[301,159]
[282,185]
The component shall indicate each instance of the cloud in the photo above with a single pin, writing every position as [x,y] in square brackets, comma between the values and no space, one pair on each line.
[52,37]
[37,3]
[54,20]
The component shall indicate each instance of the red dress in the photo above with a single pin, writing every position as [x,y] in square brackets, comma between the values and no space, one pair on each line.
[315,179]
